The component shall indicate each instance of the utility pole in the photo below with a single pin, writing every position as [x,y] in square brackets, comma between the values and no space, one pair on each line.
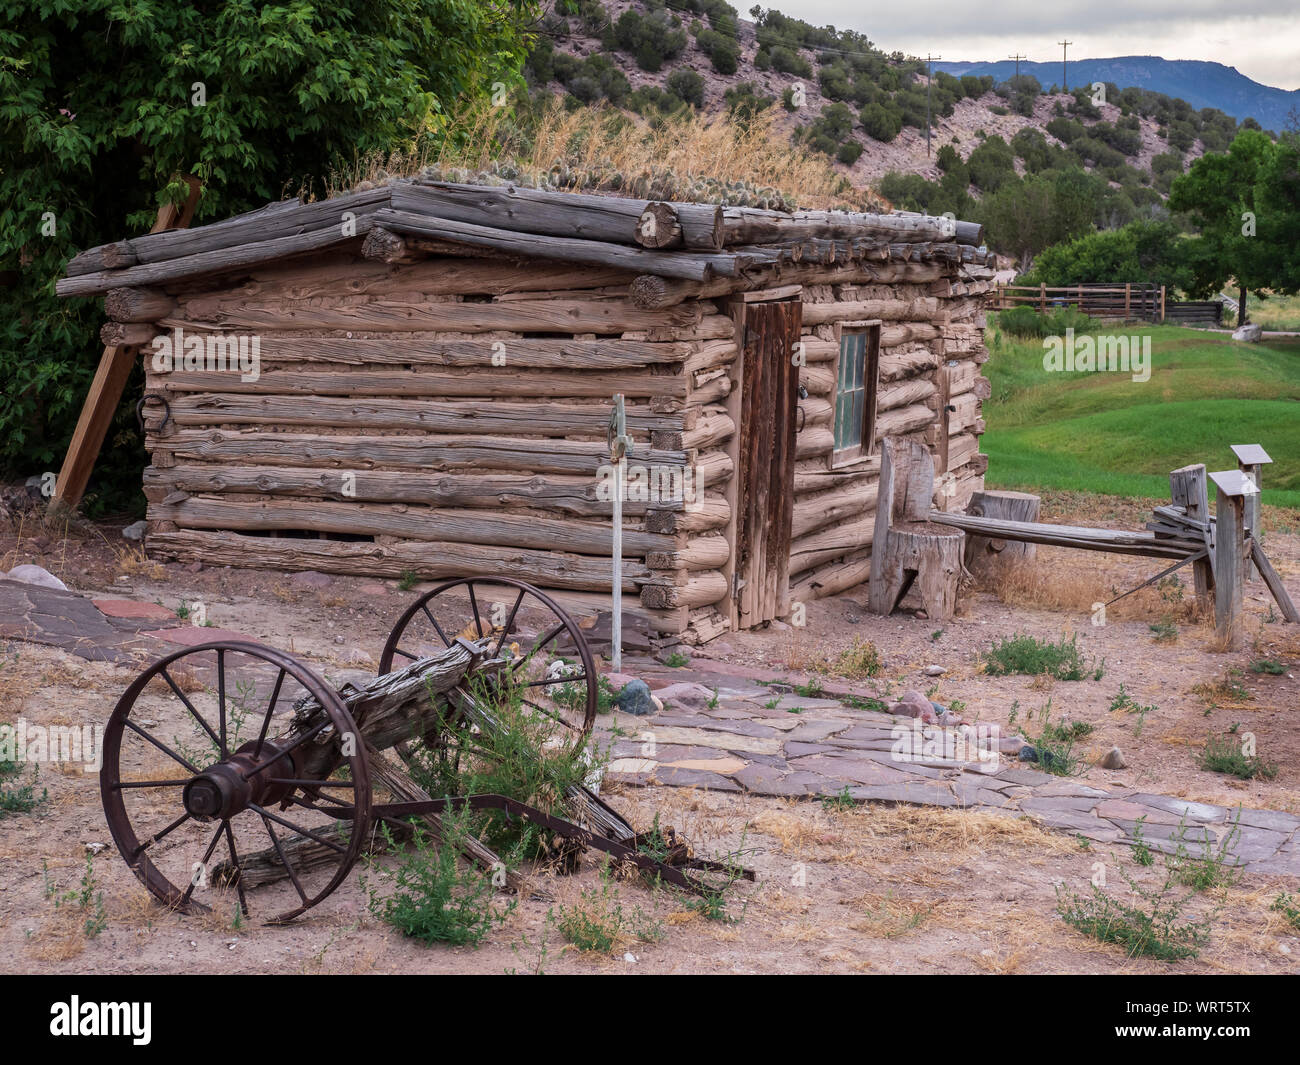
[1065,84]
[1017,57]
[929,79]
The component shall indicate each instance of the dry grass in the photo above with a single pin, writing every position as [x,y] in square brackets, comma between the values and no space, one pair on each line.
[133,562]
[602,140]
[1045,585]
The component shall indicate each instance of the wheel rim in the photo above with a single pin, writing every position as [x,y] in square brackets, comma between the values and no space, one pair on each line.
[201,761]
[510,614]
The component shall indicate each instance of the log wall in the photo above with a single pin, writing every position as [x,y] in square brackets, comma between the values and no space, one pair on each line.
[447,415]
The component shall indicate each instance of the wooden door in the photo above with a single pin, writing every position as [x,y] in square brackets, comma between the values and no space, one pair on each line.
[769,387]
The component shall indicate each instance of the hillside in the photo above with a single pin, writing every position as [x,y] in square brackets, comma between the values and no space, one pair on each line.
[1200,83]
[839,94]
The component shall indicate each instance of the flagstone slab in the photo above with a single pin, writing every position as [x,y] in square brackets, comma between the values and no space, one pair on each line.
[693,778]
[1102,831]
[131,608]
[816,731]
[765,780]
[1187,834]
[725,766]
[1275,820]
[739,728]
[192,635]
[1193,811]
[907,792]
[797,749]
[709,737]
[1128,810]
[1038,801]
[1256,844]
[854,770]
[631,766]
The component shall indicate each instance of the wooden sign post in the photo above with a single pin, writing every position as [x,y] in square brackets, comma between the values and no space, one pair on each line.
[1251,459]
[1231,489]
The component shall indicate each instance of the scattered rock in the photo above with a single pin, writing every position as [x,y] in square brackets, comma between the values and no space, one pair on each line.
[1113,759]
[935,671]
[914,704]
[635,699]
[136,530]
[778,625]
[311,579]
[1250,332]
[675,651]
[195,567]
[1012,744]
[95,848]
[630,958]
[354,656]
[686,696]
[29,574]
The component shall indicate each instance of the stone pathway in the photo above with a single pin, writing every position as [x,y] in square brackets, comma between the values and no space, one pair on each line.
[759,740]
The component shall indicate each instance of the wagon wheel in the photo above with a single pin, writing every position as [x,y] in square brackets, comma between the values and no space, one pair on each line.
[549,662]
[202,769]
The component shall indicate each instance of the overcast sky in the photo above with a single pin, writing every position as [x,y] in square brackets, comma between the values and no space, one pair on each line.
[1261,38]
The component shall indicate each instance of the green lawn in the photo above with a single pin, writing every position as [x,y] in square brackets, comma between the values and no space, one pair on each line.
[1103,432]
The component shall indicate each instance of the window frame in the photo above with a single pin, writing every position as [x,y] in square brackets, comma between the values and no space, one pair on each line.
[840,457]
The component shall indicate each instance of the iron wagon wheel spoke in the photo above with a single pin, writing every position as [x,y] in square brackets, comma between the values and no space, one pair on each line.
[510,623]
[128,784]
[311,783]
[203,724]
[557,680]
[473,602]
[158,837]
[221,698]
[286,823]
[161,746]
[203,863]
[552,716]
[270,712]
[405,654]
[437,628]
[239,869]
[284,858]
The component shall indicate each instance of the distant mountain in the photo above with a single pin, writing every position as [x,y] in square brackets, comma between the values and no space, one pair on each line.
[1201,84]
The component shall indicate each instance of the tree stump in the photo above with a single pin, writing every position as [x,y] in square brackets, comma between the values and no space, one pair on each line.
[985,555]
[923,553]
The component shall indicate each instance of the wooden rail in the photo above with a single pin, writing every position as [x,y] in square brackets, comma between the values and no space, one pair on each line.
[1131,300]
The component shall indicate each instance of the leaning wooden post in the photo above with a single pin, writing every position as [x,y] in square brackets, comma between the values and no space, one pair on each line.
[1250,460]
[1230,545]
[1187,489]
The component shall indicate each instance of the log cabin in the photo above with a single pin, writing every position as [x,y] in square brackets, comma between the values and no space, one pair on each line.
[417,378]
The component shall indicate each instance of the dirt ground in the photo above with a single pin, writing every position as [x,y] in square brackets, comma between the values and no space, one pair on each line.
[873,888]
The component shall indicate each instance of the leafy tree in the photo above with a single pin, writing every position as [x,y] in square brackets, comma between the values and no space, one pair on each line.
[883,122]
[687,84]
[104,105]
[1239,203]
[992,164]
[1144,250]
[1022,217]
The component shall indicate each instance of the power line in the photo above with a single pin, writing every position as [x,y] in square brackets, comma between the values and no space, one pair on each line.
[1065,83]
[1017,57]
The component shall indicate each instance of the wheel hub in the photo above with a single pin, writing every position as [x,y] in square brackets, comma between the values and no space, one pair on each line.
[230,786]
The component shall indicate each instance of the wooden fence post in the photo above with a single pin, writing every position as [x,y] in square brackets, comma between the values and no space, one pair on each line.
[1042,298]
[1229,548]
[1162,303]
[1187,489]
[1251,459]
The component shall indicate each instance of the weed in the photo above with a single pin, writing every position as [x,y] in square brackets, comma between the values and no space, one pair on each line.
[1223,754]
[859,702]
[1289,907]
[1157,930]
[85,897]
[713,703]
[598,922]
[1268,665]
[1208,870]
[1164,631]
[676,660]
[1054,745]
[1141,851]
[860,660]
[935,636]
[15,797]
[812,690]
[434,900]
[408,580]
[1027,655]
[841,801]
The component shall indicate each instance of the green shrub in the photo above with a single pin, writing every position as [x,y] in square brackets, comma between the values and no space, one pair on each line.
[687,84]
[1226,754]
[849,152]
[1027,655]
[881,121]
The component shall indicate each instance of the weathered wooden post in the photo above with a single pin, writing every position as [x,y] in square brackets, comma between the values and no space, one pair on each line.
[1231,489]
[1250,459]
[1188,489]
[984,554]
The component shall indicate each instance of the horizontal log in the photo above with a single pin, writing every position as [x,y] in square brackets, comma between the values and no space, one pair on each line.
[500,529]
[114,256]
[817,380]
[812,512]
[713,513]
[701,552]
[1118,541]
[559,353]
[358,453]
[748,225]
[913,390]
[335,275]
[813,476]
[468,417]
[695,266]
[699,590]
[126,334]
[561,214]
[137,304]
[832,578]
[892,336]
[206,263]
[826,544]
[904,420]
[568,494]
[922,309]
[413,314]
[896,365]
[427,560]
[813,441]
[489,382]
